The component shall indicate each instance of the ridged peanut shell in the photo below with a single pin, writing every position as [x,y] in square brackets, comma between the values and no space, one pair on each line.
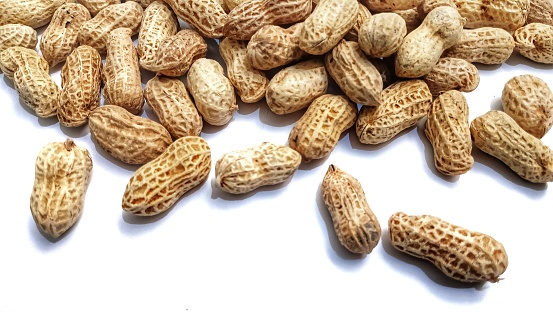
[33,13]
[540,11]
[452,73]
[506,14]
[381,35]
[378,6]
[176,53]
[206,16]
[95,6]
[17,35]
[484,45]
[535,42]
[363,15]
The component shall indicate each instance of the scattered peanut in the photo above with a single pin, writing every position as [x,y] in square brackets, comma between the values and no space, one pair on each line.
[206,16]
[535,42]
[176,53]
[540,11]
[33,13]
[363,15]
[452,74]
[506,14]
[382,34]
[95,6]
[17,35]
[484,45]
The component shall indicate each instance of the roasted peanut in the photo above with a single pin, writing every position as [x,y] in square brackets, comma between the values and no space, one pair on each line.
[498,135]
[540,11]
[242,171]
[127,137]
[411,17]
[535,42]
[403,104]
[428,5]
[452,74]
[176,53]
[62,175]
[206,16]
[378,6]
[95,6]
[363,15]
[506,14]
[33,13]
[17,35]
[484,45]
[317,132]
[529,101]
[462,254]
[381,35]
[355,224]
[231,4]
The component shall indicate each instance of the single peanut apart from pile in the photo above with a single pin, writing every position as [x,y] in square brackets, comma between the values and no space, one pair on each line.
[159,184]
[529,101]
[33,13]
[355,224]
[206,16]
[447,129]
[170,101]
[176,53]
[242,171]
[464,255]
[132,139]
[452,73]
[17,35]
[62,175]
[484,45]
[80,86]
[317,132]
[382,34]
[506,14]
[498,135]
[535,42]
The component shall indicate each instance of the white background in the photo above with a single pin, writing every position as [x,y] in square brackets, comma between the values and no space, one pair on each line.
[273,249]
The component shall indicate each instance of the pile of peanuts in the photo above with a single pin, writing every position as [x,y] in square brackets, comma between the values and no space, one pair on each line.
[395,63]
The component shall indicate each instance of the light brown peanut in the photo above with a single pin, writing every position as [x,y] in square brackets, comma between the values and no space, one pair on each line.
[176,53]
[540,11]
[535,42]
[294,87]
[80,86]
[158,185]
[378,6]
[484,45]
[121,72]
[33,13]
[355,224]
[462,254]
[206,16]
[132,139]
[381,35]
[329,22]
[317,132]
[250,82]
[428,5]
[62,174]
[170,101]
[447,129]
[354,73]
[411,17]
[452,73]
[529,101]
[31,79]
[95,6]
[246,18]
[61,35]
[212,91]
[403,104]
[498,135]
[506,14]
[242,171]
[231,4]
[363,15]
[17,35]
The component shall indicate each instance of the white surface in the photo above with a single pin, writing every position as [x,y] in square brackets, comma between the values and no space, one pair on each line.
[275,248]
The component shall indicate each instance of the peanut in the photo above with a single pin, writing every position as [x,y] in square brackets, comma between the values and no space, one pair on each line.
[428,5]
[447,129]
[250,82]
[231,4]
[317,132]
[354,73]
[506,14]
[452,74]
[363,15]
[535,42]
[61,36]
[62,175]
[403,104]
[540,11]
[378,6]
[529,101]
[411,17]
[17,35]
[242,171]
[355,224]
[462,254]
[484,45]
[498,135]
[170,101]
[33,13]
[176,53]
[121,72]
[80,86]
[127,137]
[382,34]
[206,16]
[156,186]
[95,6]
[294,87]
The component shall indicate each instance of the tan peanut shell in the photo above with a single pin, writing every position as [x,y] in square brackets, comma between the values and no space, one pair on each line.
[159,22]
[62,174]
[33,13]
[354,73]
[121,72]
[540,11]
[80,86]
[206,16]
[212,91]
[378,6]
[127,137]
[231,4]
[250,82]
[294,87]
[421,49]
[317,132]
[95,6]
[170,101]
[95,31]
[484,45]
[272,46]
[159,184]
[452,73]
[31,79]
[498,135]
[506,14]
[411,17]
[17,35]
[462,254]
[447,129]
[403,104]
[382,34]
[61,35]
[529,101]
[355,224]
[248,17]
[428,5]
[242,171]
[363,15]
[176,53]
[535,42]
